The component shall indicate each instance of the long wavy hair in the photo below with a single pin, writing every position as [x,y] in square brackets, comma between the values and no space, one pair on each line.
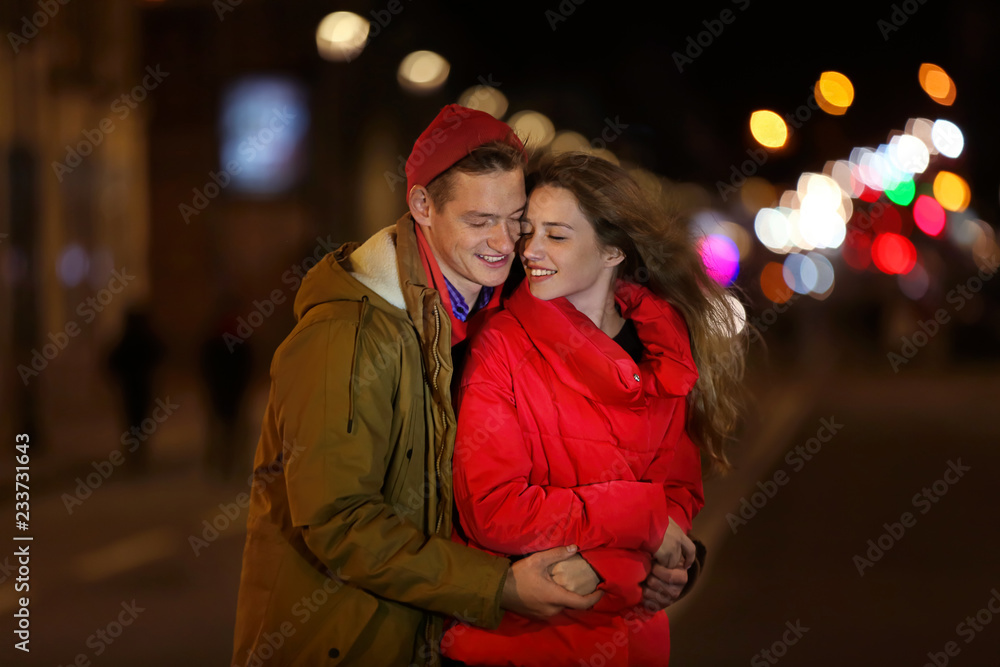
[660,254]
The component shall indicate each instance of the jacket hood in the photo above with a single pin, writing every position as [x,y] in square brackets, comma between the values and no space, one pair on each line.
[353,271]
[592,363]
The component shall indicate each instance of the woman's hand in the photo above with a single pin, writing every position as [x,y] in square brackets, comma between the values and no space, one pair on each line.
[663,586]
[575,575]
[676,550]
[530,591]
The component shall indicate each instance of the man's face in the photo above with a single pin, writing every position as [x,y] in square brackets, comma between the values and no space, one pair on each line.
[474,233]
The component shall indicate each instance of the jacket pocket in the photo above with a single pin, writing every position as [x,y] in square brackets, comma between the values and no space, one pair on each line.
[338,624]
[403,451]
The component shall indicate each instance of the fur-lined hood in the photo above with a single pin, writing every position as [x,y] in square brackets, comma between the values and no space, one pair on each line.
[353,271]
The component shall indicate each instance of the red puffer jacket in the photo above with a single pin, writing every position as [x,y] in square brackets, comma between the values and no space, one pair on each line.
[563,439]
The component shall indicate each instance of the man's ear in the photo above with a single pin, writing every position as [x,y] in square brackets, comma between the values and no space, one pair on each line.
[419,201]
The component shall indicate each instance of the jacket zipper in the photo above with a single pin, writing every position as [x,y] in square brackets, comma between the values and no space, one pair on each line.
[444,416]
[354,363]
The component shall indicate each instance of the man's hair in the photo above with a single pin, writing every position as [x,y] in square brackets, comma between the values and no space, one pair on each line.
[491,157]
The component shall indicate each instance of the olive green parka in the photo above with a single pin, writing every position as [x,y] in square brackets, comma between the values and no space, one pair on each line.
[348,559]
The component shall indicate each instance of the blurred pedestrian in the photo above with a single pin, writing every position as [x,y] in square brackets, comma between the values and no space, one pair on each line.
[226,365]
[133,362]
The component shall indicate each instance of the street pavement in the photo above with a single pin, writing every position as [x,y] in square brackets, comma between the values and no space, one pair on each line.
[130,574]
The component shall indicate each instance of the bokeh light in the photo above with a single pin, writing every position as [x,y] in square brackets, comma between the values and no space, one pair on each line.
[738,322]
[947,138]
[486,99]
[768,128]
[605,154]
[886,220]
[73,264]
[772,229]
[534,128]
[903,193]
[800,273]
[915,283]
[951,191]
[893,254]
[707,223]
[341,36]
[936,83]
[909,154]
[985,249]
[248,115]
[845,173]
[423,72]
[824,274]
[929,215]
[875,169]
[834,93]
[773,285]
[823,211]
[965,231]
[857,250]
[721,258]
[567,140]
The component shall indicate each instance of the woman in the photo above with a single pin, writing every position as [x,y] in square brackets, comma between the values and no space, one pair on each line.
[582,411]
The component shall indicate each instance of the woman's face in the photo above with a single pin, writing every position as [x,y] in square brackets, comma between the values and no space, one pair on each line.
[560,252]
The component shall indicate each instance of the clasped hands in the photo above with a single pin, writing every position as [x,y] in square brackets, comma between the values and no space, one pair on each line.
[545,583]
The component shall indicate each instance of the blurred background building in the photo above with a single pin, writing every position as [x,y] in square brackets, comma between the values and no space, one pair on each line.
[184,162]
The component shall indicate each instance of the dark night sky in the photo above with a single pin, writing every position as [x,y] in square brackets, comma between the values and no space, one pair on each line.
[612,60]
[607,59]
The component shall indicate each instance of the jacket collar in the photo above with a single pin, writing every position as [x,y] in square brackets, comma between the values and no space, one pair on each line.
[590,362]
[423,303]
[374,265]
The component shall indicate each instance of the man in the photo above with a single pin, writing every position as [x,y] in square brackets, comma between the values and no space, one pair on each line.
[348,558]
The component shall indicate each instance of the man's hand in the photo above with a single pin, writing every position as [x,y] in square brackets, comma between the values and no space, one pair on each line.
[664,585]
[676,550]
[575,575]
[530,590]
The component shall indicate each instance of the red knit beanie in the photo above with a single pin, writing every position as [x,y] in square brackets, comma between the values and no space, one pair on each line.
[451,136]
